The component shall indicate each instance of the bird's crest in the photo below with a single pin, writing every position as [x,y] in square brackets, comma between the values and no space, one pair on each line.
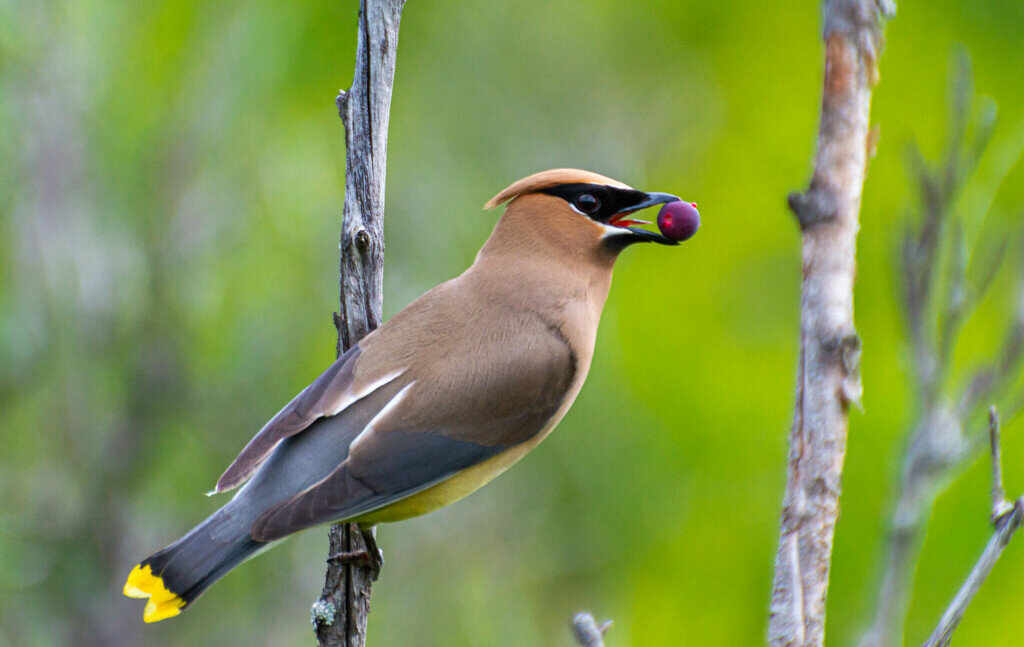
[546,179]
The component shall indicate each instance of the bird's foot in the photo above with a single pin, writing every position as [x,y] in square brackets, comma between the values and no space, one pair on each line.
[369,556]
[375,554]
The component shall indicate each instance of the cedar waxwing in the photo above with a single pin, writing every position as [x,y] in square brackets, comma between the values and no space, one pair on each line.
[436,402]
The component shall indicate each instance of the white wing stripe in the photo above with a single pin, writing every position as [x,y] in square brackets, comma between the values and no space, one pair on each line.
[385,410]
[349,398]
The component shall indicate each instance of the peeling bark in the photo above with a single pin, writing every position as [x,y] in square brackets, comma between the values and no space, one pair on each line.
[828,377]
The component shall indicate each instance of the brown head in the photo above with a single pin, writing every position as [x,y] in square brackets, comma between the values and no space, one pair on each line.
[577,215]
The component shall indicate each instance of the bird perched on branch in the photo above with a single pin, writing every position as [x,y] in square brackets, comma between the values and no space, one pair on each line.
[436,402]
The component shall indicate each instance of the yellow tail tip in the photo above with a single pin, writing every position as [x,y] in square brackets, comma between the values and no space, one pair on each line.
[162,604]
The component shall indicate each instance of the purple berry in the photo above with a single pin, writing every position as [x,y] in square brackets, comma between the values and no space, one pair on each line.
[679,220]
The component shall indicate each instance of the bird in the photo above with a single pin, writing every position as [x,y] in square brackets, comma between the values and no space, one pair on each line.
[437,401]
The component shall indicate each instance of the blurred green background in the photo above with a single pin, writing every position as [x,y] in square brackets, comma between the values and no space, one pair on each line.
[171,180]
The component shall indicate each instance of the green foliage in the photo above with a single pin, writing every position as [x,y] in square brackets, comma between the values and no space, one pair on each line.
[171,178]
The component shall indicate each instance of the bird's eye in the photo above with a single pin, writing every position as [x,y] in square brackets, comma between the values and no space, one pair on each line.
[587,203]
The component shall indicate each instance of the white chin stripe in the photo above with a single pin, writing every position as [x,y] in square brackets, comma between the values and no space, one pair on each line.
[612,230]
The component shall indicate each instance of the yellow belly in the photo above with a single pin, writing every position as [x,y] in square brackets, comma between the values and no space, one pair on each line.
[462,484]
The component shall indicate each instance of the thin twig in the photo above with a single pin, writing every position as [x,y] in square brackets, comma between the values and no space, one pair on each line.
[1007,519]
[1005,527]
[587,631]
[828,374]
[1000,505]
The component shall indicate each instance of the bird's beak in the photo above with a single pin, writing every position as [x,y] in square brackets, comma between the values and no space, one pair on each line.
[637,235]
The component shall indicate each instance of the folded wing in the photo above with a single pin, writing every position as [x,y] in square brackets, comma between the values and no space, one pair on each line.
[484,398]
[327,396]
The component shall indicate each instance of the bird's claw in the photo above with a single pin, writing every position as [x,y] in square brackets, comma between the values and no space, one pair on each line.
[370,557]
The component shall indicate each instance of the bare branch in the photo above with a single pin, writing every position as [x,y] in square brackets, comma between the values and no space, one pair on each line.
[938,444]
[340,614]
[1000,506]
[1005,527]
[1007,519]
[587,631]
[828,375]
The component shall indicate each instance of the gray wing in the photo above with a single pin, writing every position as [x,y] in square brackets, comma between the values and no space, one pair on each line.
[328,395]
[428,431]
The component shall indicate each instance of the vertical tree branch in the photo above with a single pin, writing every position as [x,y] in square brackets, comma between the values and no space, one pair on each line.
[828,378]
[340,614]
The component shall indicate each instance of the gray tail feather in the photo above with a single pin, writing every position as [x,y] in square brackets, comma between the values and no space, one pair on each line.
[192,564]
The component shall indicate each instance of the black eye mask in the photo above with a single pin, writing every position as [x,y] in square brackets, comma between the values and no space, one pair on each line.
[610,200]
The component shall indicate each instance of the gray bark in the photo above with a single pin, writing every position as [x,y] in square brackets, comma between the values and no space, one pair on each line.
[828,378]
[587,632]
[341,613]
